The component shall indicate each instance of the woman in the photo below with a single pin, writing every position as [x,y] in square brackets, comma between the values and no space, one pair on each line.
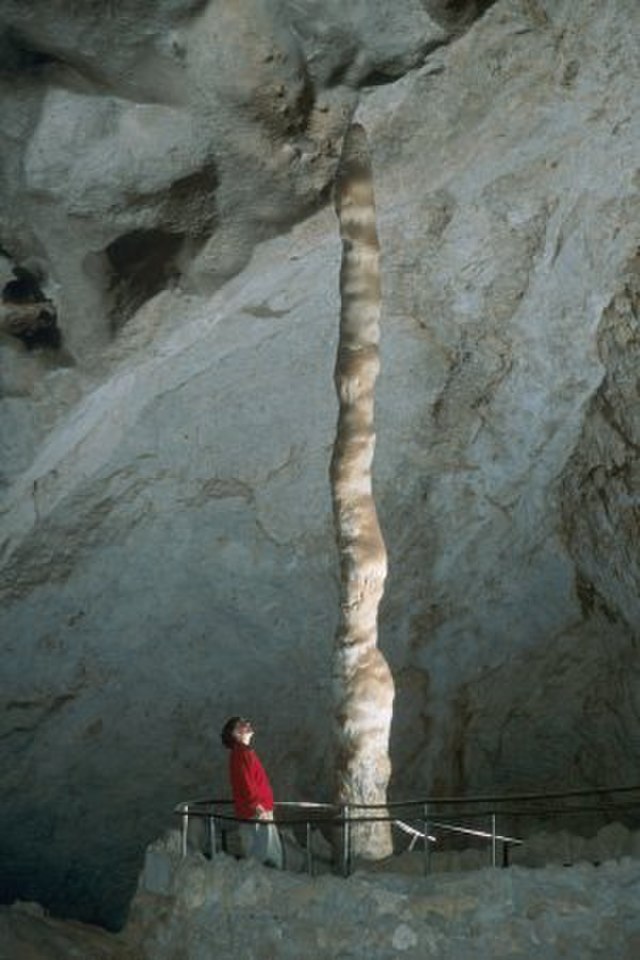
[252,794]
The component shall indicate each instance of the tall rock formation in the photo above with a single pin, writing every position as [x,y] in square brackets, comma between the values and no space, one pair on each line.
[363,685]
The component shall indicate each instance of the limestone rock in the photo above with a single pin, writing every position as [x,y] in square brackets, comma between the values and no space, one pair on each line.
[581,910]
[165,526]
[27,933]
[186,127]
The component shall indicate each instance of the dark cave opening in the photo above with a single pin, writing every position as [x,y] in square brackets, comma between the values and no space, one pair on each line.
[28,315]
[140,264]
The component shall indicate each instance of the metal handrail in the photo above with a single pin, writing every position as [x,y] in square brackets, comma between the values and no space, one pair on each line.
[345,816]
[503,798]
[189,808]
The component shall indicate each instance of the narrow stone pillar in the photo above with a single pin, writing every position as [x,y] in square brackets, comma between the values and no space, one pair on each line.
[363,685]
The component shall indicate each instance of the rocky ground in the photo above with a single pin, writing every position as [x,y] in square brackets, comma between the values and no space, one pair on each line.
[191,909]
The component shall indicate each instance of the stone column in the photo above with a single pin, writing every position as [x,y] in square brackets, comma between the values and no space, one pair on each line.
[363,686]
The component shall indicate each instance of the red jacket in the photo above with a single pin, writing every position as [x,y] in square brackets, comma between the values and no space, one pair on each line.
[249,782]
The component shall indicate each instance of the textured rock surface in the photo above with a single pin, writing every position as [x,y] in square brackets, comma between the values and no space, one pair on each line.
[223,909]
[179,135]
[27,933]
[166,542]
[240,911]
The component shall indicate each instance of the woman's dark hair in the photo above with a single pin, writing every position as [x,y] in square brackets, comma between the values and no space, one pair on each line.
[226,734]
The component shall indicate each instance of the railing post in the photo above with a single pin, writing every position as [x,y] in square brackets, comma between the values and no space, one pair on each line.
[493,840]
[309,850]
[346,841]
[427,849]
[505,854]
[185,829]
[211,835]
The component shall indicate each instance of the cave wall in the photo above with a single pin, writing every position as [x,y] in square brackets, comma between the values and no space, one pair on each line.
[165,529]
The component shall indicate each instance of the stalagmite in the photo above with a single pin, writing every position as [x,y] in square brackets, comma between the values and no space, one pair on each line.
[363,686]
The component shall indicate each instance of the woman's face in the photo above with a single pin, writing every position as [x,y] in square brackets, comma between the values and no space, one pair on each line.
[243,731]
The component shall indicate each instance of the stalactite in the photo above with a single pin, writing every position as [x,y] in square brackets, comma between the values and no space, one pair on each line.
[363,686]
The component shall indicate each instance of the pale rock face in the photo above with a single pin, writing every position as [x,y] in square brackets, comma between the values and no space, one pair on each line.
[215,124]
[166,533]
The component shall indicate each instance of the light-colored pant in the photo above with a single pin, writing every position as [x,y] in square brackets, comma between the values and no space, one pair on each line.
[261,841]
